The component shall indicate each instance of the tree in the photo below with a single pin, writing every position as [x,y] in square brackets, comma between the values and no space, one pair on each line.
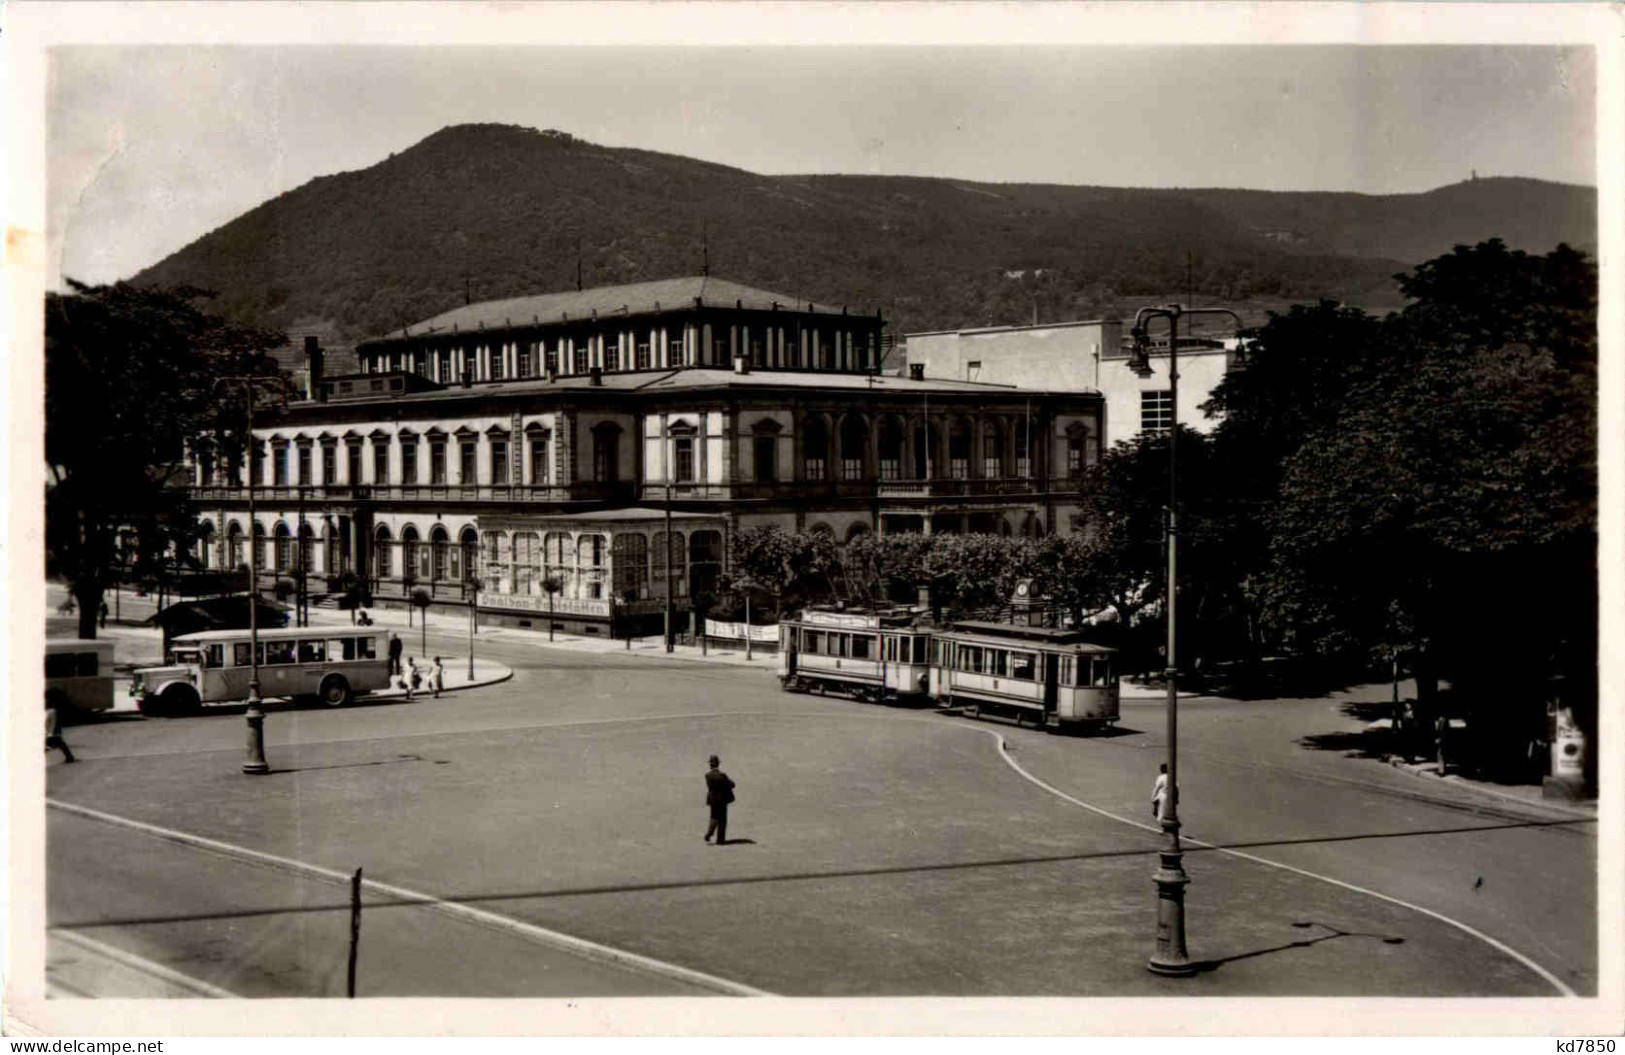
[1448,506]
[129,385]
[784,563]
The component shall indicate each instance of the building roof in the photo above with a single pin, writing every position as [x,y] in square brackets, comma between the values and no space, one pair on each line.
[715,377]
[625,301]
[976,331]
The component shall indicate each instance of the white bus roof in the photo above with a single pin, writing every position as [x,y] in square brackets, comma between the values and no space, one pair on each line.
[203,637]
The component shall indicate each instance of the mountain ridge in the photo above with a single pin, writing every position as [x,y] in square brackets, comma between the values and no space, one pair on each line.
[483,211]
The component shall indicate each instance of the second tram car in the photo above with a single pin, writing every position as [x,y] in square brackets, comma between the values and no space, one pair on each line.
[1054,677]
[871,655]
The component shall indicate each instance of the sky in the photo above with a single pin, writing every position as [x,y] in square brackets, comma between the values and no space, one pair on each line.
[148,148]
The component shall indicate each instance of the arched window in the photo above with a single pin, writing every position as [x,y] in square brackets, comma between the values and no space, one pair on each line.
[590,553]
[815,448]
[413,555]
[440,545]
[307,538]
[959,449]
[259,547]
[382,560]
[629,562]
[890,445]
[854,441]
[330,550]
[926,439]
[205,542]
[678,561]
[993,451]
[234,546]
[557,560]
[284,547]
[704,560]
[465,560]
[527,547]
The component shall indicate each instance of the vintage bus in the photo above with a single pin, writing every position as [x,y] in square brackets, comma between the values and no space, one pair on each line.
[334,664]
[1054,677]
[78,675]
[874,655]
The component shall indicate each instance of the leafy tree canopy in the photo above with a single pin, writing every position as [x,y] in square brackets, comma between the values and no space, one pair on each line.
[130,380]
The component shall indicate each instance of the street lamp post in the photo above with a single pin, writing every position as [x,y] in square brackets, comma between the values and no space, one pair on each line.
[254,758]
[1171,956]
[669,569]
[473,616]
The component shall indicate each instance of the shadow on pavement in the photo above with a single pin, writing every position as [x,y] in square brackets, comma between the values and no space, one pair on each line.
[788,877]
[1215,964]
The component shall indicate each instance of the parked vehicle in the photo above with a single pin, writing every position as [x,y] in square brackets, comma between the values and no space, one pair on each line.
[78,675]
[334,664]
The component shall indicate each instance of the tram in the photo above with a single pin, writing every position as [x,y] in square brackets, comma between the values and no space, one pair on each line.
[877,655]
[1053,677]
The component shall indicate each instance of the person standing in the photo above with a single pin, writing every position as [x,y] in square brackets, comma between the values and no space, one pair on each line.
[410,676]
[719,792]
[53,734]
[394,654]
[103,615]
[437,677]
[1159,792]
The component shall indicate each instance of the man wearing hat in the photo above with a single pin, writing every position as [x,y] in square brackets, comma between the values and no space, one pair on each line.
[719,791]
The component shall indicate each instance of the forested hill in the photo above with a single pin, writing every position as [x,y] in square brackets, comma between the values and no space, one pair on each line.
[488,211]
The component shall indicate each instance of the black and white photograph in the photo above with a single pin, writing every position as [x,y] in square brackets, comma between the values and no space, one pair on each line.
[813,519]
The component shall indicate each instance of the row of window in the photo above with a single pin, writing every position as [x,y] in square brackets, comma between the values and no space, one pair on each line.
[897,648]
[1020,665]
[433,471]
[577,355]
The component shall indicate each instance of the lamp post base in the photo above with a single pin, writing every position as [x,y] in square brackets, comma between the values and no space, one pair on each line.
[254,761]
[1171,958]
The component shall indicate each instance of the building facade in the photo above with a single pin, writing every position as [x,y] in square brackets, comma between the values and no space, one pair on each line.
[551,464]
[1083,356]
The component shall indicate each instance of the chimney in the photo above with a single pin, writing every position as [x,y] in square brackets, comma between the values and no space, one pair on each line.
[741,365]
[313,370]
[916,371]
[595,376]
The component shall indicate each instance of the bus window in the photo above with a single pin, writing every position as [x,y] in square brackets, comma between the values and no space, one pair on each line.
[185,656]
[278,653]
[814,642]
[214,656]
[366,648]
[241,654]
[60,665]
[863,646]
[87,664]
[313,651]
[340,648]
[920,644]
[1021,665]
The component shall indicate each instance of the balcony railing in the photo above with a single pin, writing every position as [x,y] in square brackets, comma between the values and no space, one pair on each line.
[417,492]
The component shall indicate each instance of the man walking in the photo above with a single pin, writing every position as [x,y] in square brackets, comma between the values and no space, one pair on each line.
[53,734]
[394,655]
[1159,792]
[719,791]
[437,677]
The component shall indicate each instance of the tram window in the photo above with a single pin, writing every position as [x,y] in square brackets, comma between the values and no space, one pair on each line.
[970,659]
[919,649]
[814,641]
[1021,665]
[863,646]
[998,662]
[889,649]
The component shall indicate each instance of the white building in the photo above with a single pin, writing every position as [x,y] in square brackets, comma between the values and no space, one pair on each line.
[1079,356]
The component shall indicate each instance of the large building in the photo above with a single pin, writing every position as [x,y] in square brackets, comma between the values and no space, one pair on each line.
[1087,356]
[549,437]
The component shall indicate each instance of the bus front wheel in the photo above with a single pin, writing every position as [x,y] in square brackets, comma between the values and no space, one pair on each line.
[335,691]
[176,699]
